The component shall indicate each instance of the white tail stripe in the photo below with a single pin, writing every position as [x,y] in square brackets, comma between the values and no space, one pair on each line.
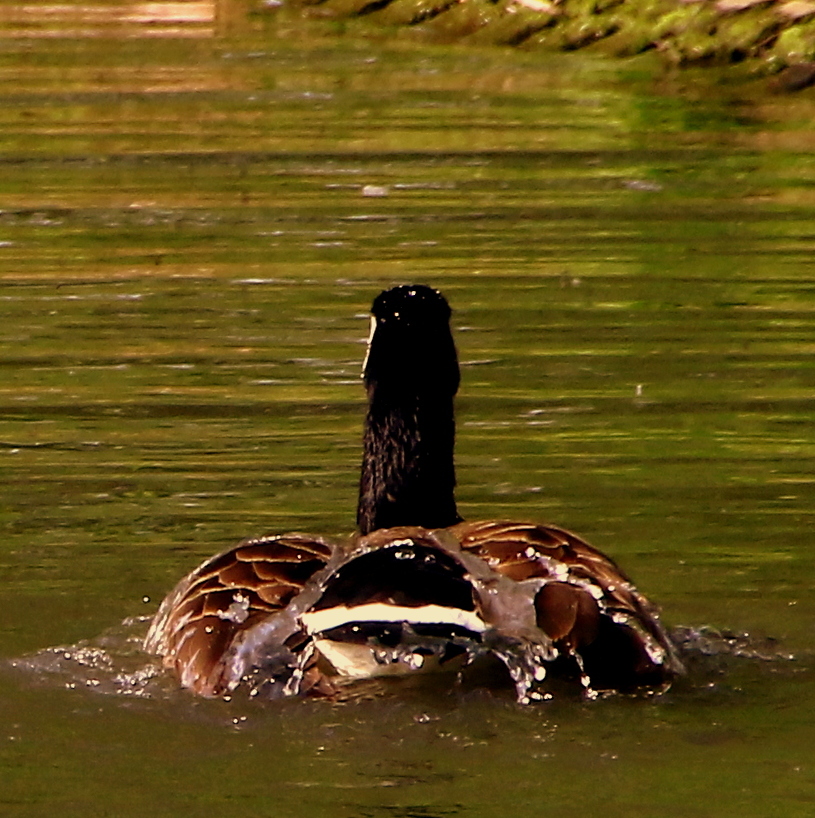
[319,621]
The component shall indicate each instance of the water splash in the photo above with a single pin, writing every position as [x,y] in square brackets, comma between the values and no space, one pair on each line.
[113,663]
[706,641]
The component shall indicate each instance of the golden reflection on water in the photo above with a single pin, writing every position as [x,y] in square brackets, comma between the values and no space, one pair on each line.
[174,18]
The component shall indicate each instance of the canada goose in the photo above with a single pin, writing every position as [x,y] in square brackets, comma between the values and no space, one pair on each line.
[420,588]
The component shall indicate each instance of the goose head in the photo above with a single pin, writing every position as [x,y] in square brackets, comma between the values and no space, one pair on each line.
[411,351]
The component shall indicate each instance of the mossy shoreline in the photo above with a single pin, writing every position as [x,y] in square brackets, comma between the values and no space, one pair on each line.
[769,35]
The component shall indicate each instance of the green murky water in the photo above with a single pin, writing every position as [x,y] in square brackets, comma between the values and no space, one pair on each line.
[192,227]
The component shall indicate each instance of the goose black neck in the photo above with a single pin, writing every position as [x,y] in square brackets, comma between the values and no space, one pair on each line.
[412,375]
[408,474]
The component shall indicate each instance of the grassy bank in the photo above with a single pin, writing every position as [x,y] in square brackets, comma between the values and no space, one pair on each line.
[770,35]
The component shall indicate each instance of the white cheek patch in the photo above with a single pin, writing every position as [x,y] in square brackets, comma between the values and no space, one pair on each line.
[368,345]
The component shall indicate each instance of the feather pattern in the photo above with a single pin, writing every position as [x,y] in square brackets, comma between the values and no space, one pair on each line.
[201,620]
[587,606]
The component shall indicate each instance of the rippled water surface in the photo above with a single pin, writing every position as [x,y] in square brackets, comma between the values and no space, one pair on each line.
[195,214]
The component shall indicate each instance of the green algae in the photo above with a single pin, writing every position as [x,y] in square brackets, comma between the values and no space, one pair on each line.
[798,43]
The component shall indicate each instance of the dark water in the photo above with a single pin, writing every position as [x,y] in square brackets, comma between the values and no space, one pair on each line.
[192,227]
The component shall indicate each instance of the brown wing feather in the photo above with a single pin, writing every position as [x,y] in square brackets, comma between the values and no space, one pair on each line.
[588,606]
[201,618]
